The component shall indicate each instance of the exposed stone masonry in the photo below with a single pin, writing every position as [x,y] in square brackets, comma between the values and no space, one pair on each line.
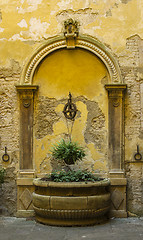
[45,116]
[131,72]
[95,127]
[9,134]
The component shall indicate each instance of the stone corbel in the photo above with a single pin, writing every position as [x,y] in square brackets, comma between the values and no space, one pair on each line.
[71,32]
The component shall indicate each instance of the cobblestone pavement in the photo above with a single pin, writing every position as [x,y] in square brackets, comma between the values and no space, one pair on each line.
[116,229]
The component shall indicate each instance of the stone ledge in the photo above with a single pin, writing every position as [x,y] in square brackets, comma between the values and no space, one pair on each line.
[26,174]
[118,214]
[25,213]
[117,173]
[114,181]
[119,87]
[118,181]
[25,181]
[21,88]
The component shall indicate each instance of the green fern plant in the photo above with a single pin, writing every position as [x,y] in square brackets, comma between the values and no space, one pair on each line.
[71,176]
[68,151]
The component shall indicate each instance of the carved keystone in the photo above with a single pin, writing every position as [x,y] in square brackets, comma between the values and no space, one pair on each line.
[71,32]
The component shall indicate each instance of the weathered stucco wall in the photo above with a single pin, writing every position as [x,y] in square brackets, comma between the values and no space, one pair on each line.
[24,25]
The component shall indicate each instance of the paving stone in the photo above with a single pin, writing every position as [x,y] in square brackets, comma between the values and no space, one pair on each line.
[121,229]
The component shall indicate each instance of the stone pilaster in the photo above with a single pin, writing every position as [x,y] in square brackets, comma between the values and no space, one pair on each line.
[26,173]
[116,149]
[26,125]
[116,110]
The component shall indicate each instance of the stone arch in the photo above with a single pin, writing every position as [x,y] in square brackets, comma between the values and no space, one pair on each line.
[82,41]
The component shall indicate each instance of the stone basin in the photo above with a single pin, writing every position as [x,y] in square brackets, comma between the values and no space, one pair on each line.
[72,203]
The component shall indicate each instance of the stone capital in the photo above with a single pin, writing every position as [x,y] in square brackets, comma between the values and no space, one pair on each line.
[27,89]
[115,90]
[26,93]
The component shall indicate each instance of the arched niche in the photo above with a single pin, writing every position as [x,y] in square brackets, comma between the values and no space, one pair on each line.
[98,75]
[112,101]
[82,73]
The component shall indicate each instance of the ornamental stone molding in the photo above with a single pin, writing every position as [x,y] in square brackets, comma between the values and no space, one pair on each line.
[71,28]
[80,41]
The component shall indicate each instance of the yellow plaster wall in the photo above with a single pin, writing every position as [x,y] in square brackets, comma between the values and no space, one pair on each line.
[25,22]
[78,71]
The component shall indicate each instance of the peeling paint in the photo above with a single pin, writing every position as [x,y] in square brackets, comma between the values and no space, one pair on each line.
[108,13]
[87,15]
[88,11]
[37,28]
[52,13]
[16,37]
[0,15]
[125,1]
[34,2]
[96,18]
[64,3]
[1,29]
[22,23]
[29,6]
[36,31]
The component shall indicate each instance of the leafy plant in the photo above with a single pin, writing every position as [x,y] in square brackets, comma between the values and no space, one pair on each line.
[2,173]
[71,176]
[68,151]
